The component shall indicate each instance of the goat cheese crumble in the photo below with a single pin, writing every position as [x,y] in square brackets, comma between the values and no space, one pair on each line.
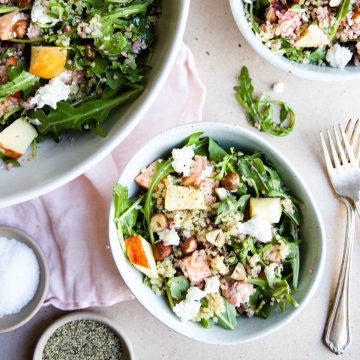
[169,237]
[53,92]
[39,13]
[183,159]
[258,228]
[278,87]
[338,56]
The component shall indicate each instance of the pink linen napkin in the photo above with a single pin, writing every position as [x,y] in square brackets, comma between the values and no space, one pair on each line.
[71,223]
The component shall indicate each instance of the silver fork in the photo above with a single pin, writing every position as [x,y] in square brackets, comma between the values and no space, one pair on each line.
[344,172]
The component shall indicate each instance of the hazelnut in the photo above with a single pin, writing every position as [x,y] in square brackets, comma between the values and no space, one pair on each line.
[158,222]
[271,15]
[231,181]
[22,3]
[89,52]
[20,28]
[161,251]
[189,245]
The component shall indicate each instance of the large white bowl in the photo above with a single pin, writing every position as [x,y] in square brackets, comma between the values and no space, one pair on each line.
[312,247]
[56,164]
[312,72]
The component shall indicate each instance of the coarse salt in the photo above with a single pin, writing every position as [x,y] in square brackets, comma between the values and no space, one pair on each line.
[19,275]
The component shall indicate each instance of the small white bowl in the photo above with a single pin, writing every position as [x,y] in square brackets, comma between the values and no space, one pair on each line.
[311,72]
[13,321]
[312,247]
[128,351]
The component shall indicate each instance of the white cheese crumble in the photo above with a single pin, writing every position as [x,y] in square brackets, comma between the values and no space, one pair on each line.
[278,87]
[207,172]
[258,228]
[189,308]
[335,3]
[169,237]
[212,285]
[338,56]
[39,13]
[51,93]
[183,159]
[222,193]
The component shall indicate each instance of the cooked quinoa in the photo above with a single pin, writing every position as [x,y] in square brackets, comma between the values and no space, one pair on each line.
[220,242]
[319,32]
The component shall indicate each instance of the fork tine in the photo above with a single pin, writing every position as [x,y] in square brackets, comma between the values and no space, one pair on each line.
[341,151]
[328,161]
[333,150]
[348,148]
[354,137]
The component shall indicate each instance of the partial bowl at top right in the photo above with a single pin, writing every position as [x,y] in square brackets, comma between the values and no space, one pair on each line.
[312,39]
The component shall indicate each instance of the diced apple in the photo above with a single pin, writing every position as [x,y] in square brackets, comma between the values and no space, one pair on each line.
[140,254]
[16,138]
[144,179]
[312,37]
[184,198]
[47,62]
[7,24]
[268,209]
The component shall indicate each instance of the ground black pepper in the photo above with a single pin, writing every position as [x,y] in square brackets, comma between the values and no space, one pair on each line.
[83,340]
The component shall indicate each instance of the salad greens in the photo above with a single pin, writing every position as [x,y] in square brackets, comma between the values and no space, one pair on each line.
[104,46]
[260,111]
[271,267]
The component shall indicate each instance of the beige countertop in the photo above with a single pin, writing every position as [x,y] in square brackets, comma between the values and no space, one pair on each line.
[220,51]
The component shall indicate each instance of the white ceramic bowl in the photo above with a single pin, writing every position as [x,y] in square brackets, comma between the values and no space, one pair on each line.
[313,234]
[128,351]
[312,72]
[14,321]
[56,164]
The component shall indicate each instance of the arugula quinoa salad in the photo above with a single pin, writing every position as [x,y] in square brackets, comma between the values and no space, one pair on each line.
[320,32]
[214,231]
[64,65]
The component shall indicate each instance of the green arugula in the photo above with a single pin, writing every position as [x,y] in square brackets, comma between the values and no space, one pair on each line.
[345,8]
[67,117]
[22,82]
[163,169]
[227,319]
[260,111]
[126,213]
[178,287]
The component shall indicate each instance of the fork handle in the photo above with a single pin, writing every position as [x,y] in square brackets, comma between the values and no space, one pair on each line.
[357,206]
[337,330]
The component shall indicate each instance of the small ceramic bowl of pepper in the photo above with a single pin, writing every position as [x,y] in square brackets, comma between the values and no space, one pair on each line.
[84,335]
[12,321]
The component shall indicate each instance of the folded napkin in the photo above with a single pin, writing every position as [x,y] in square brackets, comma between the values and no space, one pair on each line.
[71,223]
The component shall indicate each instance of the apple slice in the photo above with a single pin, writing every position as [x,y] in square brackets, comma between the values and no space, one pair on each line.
[268,209]
[312,37]
[140,254]
[47,62]
[184,198]
[16,138]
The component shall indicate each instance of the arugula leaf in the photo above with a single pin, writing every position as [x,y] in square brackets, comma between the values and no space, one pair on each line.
[67,117]
[163,169]
[126,213]
[345,8]
[206,323]
[21,82]
[230,205]
[260,112]
[198,144]
[216,152]
[7,9]
[227,319]
[178,287]
[294,259]
[317,55]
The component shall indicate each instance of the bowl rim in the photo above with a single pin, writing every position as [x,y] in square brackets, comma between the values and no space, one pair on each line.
[81,315]
[119,136]
[310,72]
[42,264]
[201,126]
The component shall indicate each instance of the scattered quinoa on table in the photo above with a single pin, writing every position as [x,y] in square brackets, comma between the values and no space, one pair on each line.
[213,230]
[319,32]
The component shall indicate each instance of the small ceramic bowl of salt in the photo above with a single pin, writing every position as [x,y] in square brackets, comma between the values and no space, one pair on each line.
[24,278]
